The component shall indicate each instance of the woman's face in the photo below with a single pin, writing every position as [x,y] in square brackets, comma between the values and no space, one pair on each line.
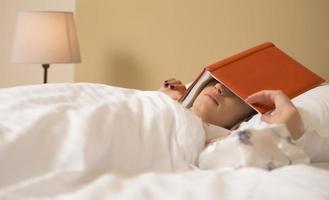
[219,106]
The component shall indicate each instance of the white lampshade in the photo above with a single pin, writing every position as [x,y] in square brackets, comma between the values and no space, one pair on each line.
[45,37]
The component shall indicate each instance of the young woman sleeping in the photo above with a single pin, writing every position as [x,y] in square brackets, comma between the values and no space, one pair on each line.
[217,106]
[92,129]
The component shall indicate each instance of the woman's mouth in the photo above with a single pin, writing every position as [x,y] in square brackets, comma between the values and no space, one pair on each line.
[212,98]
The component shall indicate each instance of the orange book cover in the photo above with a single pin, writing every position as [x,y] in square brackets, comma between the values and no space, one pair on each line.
[264,67]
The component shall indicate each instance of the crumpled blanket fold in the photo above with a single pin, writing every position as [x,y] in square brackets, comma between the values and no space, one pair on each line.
[266,148]
[93,129]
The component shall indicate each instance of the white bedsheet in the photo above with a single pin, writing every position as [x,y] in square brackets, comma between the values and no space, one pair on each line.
[91,127]
[78,141]
[291,182]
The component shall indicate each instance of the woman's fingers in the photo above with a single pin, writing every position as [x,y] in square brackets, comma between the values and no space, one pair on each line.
[173,88]
[276,97]
[172,81]
[284,111]
[174,84]
[261,96]
[270,117]
[178,87]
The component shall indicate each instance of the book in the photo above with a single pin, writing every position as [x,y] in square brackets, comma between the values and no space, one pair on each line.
[263,67]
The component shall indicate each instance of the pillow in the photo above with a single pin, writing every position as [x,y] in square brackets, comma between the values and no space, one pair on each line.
[313,106]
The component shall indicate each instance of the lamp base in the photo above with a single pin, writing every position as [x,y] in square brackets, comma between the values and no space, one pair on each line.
[45,70]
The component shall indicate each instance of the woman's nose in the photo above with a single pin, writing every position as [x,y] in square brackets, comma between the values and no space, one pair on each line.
[219,87]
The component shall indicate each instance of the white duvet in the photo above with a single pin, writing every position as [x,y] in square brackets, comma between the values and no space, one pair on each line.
[91,141]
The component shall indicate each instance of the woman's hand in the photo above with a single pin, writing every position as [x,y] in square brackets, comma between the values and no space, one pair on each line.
[173,88]
[284,111]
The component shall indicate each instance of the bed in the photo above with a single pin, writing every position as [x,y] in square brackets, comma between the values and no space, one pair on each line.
[59,141]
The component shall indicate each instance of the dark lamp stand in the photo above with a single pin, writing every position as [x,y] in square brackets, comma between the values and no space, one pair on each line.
[45,69]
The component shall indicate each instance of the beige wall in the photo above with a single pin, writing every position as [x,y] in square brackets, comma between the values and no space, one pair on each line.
[138,44]
[18,74]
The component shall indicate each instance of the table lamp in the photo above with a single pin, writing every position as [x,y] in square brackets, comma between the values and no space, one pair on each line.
[45,38]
